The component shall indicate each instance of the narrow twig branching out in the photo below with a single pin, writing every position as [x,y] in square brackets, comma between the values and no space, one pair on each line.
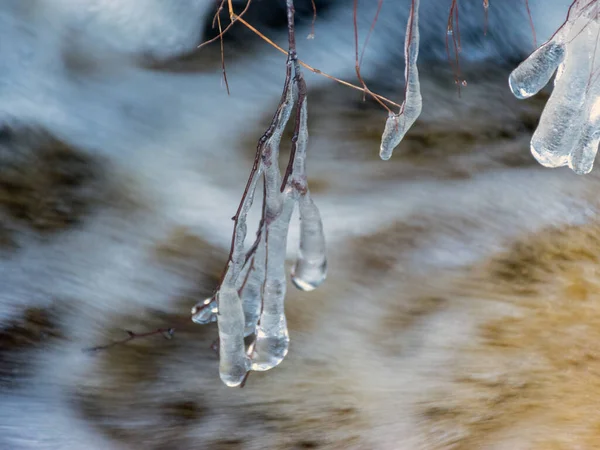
[218,17]
[166,332]
[531,24]
[232,16]
[239,18]
[358,60]
[453,30]
[314,19]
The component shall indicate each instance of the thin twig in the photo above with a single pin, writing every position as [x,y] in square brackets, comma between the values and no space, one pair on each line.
[314,19]
[312,69]
[454,30]
[358,60]
[234,18]
[238,18]
[531,24]
[222,53]
[379,5]
[166,332]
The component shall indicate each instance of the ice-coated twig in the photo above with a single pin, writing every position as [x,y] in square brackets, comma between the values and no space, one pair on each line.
[272,337]
[397,125]
[310,269]
[569,128]
[250,298]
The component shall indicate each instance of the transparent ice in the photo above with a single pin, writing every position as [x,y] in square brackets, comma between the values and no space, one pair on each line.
[310,269]
[272,337]
[252,289]
[205,311]
[569,130]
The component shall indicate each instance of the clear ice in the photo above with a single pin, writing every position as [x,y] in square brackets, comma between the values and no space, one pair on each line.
[252,289]
[250,299]
[310,269]
[233,363]
[397,125]
[569,129]
[205,311]
[272,338]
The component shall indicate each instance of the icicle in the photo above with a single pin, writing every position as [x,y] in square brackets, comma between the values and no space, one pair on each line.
[272,338]
[397,125]
[250,299]
[569,128]
[311,266]
[310,269]
[252,290]
[234,363]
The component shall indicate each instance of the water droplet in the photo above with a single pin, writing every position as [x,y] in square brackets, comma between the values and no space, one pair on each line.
[205,311]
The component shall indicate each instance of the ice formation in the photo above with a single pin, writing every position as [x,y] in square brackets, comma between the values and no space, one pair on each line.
[397,125]
[569,128]
[250,298]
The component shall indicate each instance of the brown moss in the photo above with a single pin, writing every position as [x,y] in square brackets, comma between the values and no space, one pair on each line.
[226,444]
[36,328]
[186,410]
[125,380]
[537,369]
[192,256]
[184,250]
[51,186]
[7,238]
[404,315]
[533,261]
[374,255]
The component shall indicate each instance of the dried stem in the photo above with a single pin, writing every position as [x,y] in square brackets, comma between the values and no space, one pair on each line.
[218,16]
[234,18]
[238,18]
[531,23]
[314,19]
[358,60]
[453,30]
[166,332]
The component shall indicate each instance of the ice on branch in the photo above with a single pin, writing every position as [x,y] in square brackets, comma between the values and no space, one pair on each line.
[249,302]
[569,130]
[397,125]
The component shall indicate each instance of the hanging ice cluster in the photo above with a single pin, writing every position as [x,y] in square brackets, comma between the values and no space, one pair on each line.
[397,125]
[569,128]
[250,300]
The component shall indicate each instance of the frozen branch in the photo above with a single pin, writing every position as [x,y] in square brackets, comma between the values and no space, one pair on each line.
[250,297]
